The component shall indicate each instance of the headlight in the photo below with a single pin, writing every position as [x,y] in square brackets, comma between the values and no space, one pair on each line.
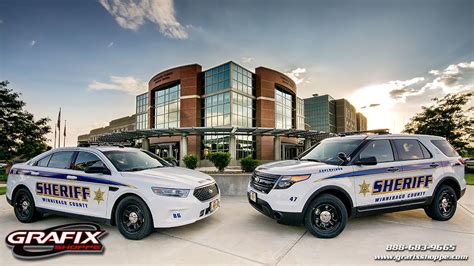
[171,192]
[287,181]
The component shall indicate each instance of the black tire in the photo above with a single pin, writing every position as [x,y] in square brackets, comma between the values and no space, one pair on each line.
[315,217]
[24,206]
[133,218]
[444,204]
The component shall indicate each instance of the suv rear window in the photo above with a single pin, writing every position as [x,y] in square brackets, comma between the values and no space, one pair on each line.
[445,147]
[411,149]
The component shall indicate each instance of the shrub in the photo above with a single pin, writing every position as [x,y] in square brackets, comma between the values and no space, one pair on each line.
[169,158]
[190,160]
[220,159]
[248,164]
[3,174]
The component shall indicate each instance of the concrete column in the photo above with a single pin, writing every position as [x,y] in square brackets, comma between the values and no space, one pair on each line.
[233,147]
[146,144]
[277,148]
[183,149]
[307,143]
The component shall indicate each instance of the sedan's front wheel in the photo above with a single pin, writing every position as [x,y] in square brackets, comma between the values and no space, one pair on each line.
[133,218]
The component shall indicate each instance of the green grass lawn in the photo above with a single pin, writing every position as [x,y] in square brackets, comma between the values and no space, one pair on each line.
[3,190]
[469,178]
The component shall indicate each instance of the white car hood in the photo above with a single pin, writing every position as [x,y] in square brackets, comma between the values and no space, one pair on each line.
[176,177]
[296,167]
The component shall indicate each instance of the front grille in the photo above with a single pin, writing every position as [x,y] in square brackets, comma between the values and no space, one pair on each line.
[263,182]
[207,192]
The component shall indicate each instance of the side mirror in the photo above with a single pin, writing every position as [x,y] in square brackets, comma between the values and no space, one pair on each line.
[97,170]
[366,161]
[343,157]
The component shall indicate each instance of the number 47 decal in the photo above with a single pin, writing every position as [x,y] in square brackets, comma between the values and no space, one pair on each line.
[293,199]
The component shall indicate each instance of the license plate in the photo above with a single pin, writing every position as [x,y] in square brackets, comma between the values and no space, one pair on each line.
[253,196]
[214,205]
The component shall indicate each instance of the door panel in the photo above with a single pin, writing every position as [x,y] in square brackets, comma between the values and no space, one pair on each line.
[96,203]
[418,168]
[374,184]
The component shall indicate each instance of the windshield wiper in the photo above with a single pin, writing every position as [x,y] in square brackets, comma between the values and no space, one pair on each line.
[135,169]
[141,168]
[311,160]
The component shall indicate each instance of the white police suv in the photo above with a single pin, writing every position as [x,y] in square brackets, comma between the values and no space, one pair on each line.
[356,175]
[131,188]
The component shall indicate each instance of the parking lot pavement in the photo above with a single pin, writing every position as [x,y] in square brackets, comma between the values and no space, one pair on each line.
[237,234]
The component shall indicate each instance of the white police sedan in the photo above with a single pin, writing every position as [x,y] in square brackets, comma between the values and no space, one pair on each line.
[131,188]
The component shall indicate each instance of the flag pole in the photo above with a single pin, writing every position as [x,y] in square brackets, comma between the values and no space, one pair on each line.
[64,140]
[59,128]
[55,129]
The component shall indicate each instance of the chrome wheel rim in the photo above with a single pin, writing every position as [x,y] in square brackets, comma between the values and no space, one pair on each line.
[23,206]
[446,203]
[132,218]
[326,217]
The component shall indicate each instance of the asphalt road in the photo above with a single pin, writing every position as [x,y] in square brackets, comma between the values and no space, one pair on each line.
[237,234]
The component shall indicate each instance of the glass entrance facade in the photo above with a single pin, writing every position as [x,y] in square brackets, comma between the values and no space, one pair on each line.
[225,96]
[167,105]
[283,109]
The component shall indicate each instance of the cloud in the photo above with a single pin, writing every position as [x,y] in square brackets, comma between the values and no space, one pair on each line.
[297,75]
[402,89]
[132,14]
[401,99]
[247,59]
[1,21]
[32,43]
[110,44]
[127,84]
[454,78]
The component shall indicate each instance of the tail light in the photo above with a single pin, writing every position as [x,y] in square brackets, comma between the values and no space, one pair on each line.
[461,161]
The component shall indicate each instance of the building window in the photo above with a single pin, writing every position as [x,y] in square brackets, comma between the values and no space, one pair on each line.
[245,146]
[283,109]
[167,107]
[217,110]
[242,110]
[299,113]
[242,79]
[217,79]
[215,143]
[141,111]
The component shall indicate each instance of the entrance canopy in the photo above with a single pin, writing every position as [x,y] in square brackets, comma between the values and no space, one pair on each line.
[184,131]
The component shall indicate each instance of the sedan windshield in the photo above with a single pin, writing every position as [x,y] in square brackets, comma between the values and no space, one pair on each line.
[132,160]
[327,151]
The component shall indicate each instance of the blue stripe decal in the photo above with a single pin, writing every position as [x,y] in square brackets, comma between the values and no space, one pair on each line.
[383,170]
[64,176]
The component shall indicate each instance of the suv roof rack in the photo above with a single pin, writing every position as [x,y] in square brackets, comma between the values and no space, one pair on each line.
[382,131]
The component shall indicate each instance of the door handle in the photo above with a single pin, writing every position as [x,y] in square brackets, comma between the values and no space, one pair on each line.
[434,165]
[393,169]
[34,173]
[71,177]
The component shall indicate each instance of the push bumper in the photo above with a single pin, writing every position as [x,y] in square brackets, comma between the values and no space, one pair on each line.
[291,218]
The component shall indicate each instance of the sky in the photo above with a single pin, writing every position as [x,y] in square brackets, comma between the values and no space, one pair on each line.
[92,57]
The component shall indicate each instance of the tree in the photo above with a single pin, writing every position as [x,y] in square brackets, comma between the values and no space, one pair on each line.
[446,117]
[21,136]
